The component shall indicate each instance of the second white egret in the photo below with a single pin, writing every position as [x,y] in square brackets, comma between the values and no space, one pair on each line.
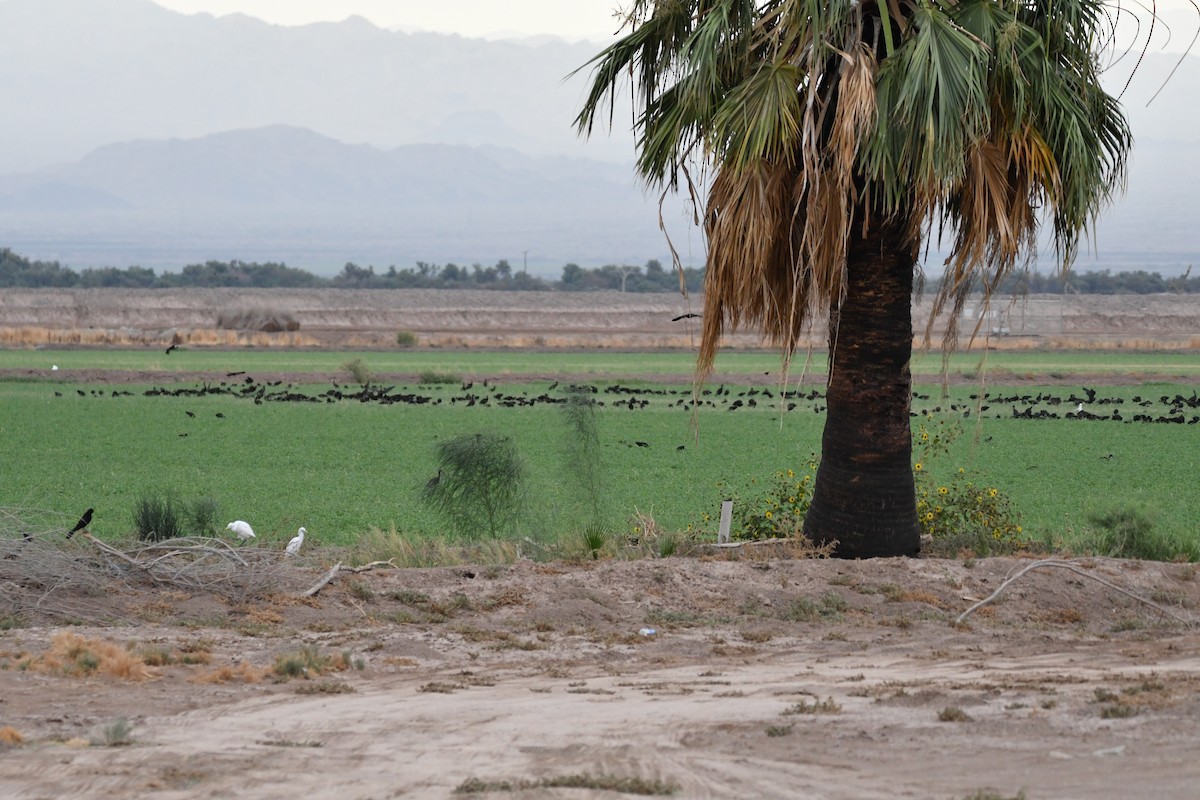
[294,545]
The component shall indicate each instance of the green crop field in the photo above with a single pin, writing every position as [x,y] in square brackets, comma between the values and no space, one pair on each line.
[521,362]
[341,468]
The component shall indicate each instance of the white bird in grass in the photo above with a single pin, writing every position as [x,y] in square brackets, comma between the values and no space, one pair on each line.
[294,545]
[1079,408]
[242,529]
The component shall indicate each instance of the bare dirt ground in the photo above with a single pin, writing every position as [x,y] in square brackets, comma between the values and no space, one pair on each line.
[764,677]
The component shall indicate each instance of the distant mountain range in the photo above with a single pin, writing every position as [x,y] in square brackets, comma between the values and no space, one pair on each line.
[137,135]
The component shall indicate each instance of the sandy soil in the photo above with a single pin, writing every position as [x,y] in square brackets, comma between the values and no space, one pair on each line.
[763,678]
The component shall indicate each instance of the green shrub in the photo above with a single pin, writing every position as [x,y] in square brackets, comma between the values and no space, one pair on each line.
[479,484]
[359,371]
[406,339]
[429,377]
[1130,533]
[158,517]
[202,516]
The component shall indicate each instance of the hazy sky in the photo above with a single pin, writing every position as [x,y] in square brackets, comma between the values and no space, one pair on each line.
[582,19]
[571,19]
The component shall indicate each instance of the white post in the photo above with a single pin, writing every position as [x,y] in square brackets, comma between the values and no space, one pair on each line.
[726,522]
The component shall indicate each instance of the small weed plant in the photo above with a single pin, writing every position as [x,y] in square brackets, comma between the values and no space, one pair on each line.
[406,339]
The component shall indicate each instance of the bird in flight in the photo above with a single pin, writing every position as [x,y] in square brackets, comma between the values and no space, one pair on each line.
[294,545]
[84,521]
[689,315]
[172,347]
[242,529]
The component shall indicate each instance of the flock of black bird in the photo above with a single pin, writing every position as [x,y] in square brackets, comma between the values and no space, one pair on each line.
[1089,406]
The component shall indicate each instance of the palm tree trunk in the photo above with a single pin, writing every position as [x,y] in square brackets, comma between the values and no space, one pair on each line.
[864,496]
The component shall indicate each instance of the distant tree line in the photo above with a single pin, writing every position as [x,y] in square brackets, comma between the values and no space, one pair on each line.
[1099,282]
[18,271]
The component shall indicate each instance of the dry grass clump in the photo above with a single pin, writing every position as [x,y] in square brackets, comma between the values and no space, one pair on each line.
[77,656]
[10,736]
[244,672]
[420,550]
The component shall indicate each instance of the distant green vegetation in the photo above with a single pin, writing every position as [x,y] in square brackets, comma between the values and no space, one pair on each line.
[18,271]
[761,365]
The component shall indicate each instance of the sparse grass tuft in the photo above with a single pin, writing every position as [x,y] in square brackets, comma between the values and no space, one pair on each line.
[953,714]
[118,734]
[602,783]
[826,706]
[406,339]
[307,662]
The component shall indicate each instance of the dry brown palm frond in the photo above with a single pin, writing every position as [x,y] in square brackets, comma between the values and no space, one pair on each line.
[995,221]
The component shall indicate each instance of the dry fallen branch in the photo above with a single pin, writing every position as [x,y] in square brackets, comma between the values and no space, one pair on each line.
[321,584]
[338,568]
[1070,567]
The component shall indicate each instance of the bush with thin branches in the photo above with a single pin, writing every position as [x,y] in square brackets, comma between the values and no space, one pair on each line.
[479,485]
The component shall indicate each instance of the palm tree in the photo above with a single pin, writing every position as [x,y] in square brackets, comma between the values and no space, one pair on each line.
[833,137]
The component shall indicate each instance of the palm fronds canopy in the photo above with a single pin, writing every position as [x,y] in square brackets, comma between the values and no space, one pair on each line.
[977,118]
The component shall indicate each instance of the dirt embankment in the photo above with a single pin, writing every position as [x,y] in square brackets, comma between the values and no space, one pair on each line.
[708,677]
[372,318]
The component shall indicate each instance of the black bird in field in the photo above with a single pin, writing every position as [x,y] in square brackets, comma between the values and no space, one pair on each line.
[432,483]
[189,413]
[172,347]
[689,315]
[220,415]
[81,393]
[84,521]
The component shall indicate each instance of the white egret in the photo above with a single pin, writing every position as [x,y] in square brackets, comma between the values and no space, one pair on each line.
[294,545]
[1079,408]
[242,529]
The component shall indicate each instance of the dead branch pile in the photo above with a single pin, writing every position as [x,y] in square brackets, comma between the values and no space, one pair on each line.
[43,574]
[197,564]
[39,576]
